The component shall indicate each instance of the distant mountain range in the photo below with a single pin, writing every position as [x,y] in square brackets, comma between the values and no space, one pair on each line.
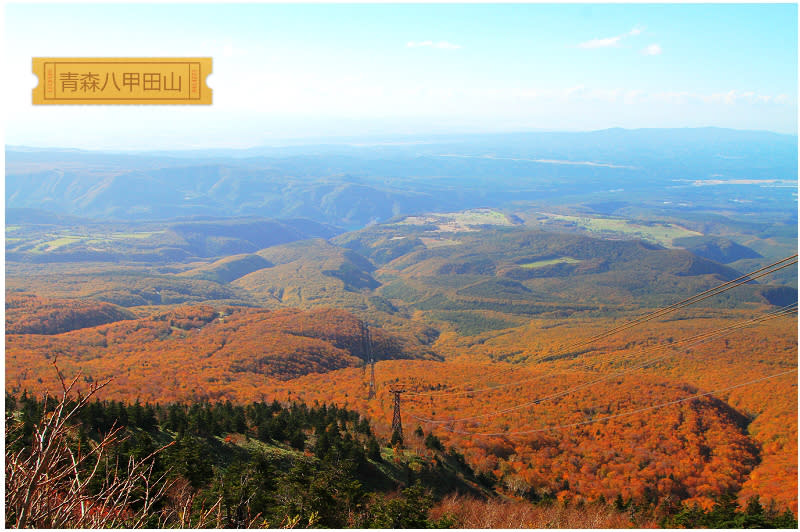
[352,185]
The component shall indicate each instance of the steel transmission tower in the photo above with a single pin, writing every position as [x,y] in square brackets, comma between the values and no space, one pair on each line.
[397,420]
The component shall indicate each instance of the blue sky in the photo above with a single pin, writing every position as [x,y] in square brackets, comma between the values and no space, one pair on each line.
[311,71]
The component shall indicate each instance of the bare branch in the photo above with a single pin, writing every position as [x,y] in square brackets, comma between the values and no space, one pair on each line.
[47,483]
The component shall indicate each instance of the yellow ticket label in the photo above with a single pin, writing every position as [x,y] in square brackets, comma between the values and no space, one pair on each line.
[122,80]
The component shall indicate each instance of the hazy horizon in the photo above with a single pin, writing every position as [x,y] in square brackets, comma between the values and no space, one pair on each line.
[290,72]
[372,140]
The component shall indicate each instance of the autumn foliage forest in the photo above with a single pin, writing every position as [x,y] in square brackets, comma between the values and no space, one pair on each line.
[479,326]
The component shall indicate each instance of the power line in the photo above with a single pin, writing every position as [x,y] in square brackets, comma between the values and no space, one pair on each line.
[648,317]
[698,339]
[788,309]
[695,340]
[613,416]
[724,287]
[789,261]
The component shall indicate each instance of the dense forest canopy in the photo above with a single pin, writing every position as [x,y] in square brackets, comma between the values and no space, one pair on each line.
[567,355]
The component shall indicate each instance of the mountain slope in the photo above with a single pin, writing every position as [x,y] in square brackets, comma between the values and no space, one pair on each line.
[352,185]
[193,352]
[228,269]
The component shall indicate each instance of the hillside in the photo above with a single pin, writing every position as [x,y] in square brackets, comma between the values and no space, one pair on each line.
[261,464]
[461,276]
[354,184]
[450,271]
[744,438]
[720,250]
[199,352]
[29,314]
[309,274]
[42,241]
[478,314]
[228,269]
[124,286]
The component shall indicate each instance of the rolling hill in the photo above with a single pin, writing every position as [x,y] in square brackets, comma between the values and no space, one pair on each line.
[29,314]
[198,352]
[351,185]
[480,264]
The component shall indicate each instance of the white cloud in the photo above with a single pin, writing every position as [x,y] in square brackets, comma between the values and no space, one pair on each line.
[632,96]
[601,43]
[608,95]
[442,45]
[609,42]
[672,97]
[653,49]
[730,97]
[578,89]
[582,93]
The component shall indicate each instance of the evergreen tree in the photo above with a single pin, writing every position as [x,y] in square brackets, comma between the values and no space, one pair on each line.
[374,450]
[433,443]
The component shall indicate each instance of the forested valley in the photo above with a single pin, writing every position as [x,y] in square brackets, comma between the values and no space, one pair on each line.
[366,338]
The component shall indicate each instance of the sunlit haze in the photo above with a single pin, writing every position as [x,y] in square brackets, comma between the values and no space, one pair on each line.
[323,71]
